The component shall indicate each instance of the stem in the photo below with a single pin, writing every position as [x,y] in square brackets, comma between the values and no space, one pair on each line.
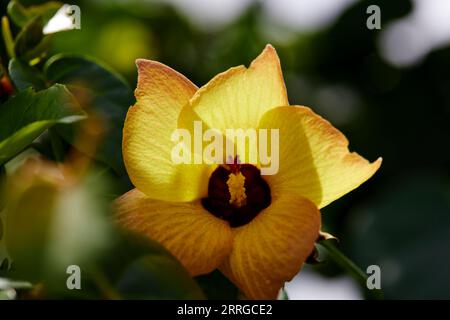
[7,37]
[282,295]
[349,266]
[103,284]
[344,262]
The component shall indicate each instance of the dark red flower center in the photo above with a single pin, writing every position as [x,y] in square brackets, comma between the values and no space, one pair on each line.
[237,193]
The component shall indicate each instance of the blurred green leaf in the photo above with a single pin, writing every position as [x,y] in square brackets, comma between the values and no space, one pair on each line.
[54,220]
[11,284]
[157,277]
[217,287]
[2,189]
[143,269]
[410,221]
[24,76]
[27,219]
[9,294]
[99,90]
[131,267]
[9,288]
[25,116]
[4,257]
[1,229]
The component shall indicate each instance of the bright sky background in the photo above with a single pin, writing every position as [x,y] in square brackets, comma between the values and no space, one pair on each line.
[297,14]
[309,285]
[410,39]
[402,43]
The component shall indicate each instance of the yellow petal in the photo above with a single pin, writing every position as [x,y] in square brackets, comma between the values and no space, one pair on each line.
[271,249]
[161,93]
[314,160]
[195,237]
[237,98]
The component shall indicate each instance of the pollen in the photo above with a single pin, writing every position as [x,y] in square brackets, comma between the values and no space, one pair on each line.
[236,188]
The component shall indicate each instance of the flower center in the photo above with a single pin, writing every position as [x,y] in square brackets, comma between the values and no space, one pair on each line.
[236,188]
[237,193]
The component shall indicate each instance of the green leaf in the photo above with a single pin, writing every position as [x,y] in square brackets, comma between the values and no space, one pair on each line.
[29,42]
[25,116]
[18,13]
[24,76]
[21,15]
[46,10]
[104,92]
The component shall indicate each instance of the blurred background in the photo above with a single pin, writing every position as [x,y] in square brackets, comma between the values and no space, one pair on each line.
[387,90]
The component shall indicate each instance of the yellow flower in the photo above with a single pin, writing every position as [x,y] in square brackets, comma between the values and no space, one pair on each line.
[258,230]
